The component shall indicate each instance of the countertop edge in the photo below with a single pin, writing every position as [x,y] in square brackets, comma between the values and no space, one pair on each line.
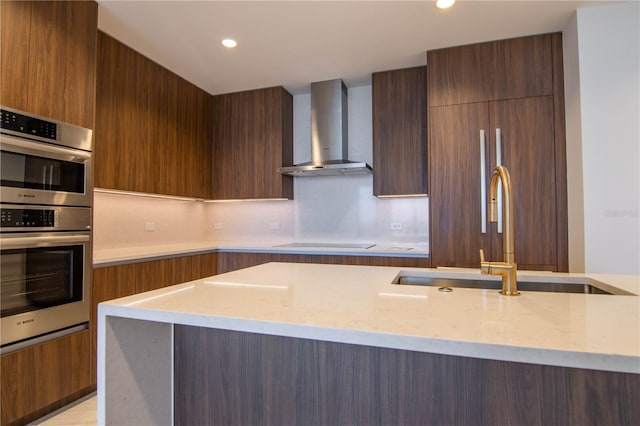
[489,351]
[167,253]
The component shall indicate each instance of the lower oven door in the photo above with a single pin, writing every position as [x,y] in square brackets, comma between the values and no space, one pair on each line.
[45,283]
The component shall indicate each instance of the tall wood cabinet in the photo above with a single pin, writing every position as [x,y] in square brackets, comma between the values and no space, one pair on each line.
[399,114]
[153,128]
[48,57]
[508,111]
[48,65]
[252,137]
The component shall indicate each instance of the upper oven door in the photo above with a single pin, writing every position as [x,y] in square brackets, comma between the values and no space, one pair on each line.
[42,173]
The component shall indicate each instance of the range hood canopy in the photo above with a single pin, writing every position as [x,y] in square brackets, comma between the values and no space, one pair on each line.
[329,135]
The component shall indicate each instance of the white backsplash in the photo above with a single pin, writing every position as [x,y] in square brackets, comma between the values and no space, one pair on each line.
[331,208]
[119,221]
[335,209]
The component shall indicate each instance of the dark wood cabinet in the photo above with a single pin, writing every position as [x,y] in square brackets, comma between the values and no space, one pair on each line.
[252,137]
[527,150]
[44,377]
[455,234]
[230,261]
[503,69]
[48,57]
[523,135]
[153,128]
[399,113]
[113,282]
[232,377]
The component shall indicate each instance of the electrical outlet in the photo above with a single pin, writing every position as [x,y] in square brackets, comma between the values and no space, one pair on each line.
[274,226]
[218,225]
[395,226]
[149,226]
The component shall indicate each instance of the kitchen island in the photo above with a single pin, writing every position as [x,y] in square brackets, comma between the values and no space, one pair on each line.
[287,343]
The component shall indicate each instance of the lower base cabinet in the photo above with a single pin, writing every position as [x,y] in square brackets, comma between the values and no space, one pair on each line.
[113,282]
[229,377]
[43,378]
[231,261]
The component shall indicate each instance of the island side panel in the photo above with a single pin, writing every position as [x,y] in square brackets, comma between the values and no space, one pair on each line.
[135,379]
[228,377]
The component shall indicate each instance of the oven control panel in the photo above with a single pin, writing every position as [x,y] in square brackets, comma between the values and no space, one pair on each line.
[22,218]
[27,125]
[36,218]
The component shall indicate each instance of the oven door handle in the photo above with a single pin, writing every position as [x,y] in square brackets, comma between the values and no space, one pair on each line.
[43,241]
[42,148]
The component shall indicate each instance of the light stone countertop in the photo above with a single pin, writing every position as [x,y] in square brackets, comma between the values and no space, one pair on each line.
[359,305]
[124,255]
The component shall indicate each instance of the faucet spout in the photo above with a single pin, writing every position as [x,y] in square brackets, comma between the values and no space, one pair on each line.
[507,269]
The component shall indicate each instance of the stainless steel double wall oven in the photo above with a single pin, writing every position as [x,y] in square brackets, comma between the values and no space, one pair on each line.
[46,197]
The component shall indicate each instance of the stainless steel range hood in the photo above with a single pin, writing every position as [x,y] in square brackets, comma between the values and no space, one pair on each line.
[329,140]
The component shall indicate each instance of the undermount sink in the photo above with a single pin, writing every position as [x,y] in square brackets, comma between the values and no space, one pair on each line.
[573,285]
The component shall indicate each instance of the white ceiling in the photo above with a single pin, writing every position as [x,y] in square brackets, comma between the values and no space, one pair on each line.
[292,43]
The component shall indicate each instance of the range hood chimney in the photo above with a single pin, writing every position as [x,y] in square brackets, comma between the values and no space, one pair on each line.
[329,140]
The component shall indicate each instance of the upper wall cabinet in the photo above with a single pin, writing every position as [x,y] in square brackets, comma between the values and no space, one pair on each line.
[48,57]
[399,102]
[153,128]
[252,137]
[496,70]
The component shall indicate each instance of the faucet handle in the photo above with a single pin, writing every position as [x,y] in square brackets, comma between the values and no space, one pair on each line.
[484,265]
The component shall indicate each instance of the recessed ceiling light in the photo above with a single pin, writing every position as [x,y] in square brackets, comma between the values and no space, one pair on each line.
[444,4]
[229,42]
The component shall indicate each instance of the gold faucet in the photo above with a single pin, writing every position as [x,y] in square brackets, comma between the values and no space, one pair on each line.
[507,268]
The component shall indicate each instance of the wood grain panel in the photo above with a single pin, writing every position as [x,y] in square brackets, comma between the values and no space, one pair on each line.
[62,61]
[63,367]
[503,69]
[460,74]
[399,131]
[253,136]
[229,261]
[522,67]
[228,377]
[455,235]
[15,28]
[42,378]
[528,151]
[153,128]
[48,58]
[119,157]
[204,265]
[16,387]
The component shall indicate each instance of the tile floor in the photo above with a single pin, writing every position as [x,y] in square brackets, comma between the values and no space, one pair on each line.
[80,413]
